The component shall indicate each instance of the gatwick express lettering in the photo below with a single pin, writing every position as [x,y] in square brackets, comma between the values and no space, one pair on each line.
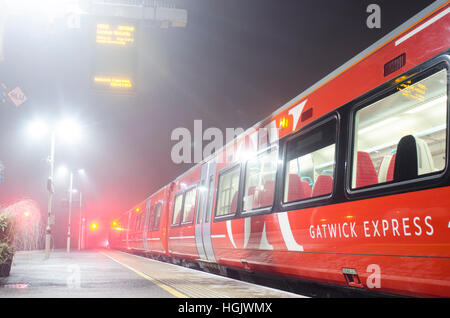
[394,227]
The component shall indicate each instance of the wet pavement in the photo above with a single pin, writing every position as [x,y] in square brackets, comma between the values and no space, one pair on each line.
[114,274]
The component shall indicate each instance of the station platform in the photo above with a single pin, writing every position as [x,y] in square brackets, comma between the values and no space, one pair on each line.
[115,274]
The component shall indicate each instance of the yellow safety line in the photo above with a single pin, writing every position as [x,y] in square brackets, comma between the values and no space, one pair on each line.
[161,285]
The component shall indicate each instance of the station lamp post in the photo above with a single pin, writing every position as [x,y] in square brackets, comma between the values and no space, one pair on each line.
[70,131]
[71,192]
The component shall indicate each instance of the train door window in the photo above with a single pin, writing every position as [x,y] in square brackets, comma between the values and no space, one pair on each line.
[157,216]
[403,135]
[176,218]
[137,222]
[189,205]
[150,219]
[260,175]
[310,163]
[227,192]
[131,224]
[141,221]
[201,202]
[210,197]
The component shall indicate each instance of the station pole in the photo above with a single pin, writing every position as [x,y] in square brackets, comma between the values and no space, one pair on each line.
[48,231]
[70,210]
[80,228]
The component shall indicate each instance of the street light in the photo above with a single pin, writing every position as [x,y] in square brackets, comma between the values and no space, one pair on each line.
[71,191]
[70,130]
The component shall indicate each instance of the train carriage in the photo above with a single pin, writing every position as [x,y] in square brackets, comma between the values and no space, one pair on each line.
[347,184]
[182,208]
[155,234]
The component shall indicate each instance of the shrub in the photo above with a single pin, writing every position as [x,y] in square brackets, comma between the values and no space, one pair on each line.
[6,239]
[6,253]
[6,229]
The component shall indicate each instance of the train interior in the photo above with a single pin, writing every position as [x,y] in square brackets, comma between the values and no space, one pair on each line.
[415,116]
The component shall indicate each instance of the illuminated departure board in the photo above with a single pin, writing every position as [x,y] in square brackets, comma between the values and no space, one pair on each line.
[121,35]
[115,55]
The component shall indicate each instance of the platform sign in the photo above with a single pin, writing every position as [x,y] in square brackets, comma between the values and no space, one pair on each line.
[115,55]
[17,96]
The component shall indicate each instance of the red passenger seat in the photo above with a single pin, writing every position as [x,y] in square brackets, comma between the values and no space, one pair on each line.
[266,197]
[365,171]
[323,185]
[297,189]
[307,190]
[390,172]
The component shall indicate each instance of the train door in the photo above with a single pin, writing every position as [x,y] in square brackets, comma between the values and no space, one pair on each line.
[204,211]
[127,237]
[145,228]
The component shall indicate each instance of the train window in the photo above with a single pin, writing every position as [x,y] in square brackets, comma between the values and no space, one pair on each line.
[130,223]
[189,205]
[227,192]
[310,162]
[137,222]
[260,180]
[210,198]
[403,135]
[177,209]
[141,221]
[153,220]
[201,202]
[157,216]
[150,219]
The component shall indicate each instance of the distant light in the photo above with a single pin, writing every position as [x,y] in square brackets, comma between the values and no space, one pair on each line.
[138,209]
[62,171]
[26,214]
[94,226]
[37,129]
[114,223]
[69,129]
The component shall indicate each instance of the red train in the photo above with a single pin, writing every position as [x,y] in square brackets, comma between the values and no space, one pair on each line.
[347,184]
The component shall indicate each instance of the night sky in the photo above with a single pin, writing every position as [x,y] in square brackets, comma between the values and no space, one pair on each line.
[234,63]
